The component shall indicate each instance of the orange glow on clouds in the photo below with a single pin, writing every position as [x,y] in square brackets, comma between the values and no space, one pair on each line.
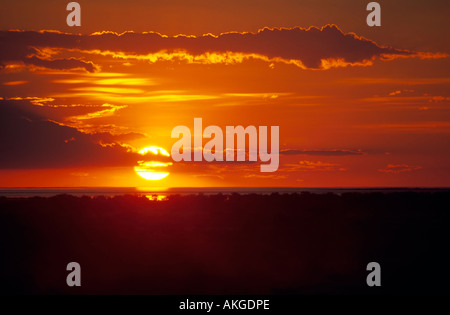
[354,110]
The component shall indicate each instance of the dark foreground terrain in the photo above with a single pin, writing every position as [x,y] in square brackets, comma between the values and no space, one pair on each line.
[239,244]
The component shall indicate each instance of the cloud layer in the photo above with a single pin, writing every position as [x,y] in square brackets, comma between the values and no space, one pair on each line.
[30,141]
[322,152]
[311,48]
[399,168]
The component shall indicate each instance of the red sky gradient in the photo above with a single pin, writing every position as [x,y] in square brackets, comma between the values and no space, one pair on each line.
[357,106]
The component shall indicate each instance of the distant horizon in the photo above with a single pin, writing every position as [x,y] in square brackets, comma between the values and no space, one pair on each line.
[138,188]
[224,187]
[26,192]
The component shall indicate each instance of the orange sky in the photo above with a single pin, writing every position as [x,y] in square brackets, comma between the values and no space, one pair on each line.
[370,109]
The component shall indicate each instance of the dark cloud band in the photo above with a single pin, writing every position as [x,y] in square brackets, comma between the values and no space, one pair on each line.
[312,48]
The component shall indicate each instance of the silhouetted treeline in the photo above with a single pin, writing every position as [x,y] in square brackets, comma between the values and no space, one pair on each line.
[227,244]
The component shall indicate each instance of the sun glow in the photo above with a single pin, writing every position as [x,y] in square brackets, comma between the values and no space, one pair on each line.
[154,150]
[150,169]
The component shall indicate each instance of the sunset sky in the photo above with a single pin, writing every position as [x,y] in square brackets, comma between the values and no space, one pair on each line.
[357,106]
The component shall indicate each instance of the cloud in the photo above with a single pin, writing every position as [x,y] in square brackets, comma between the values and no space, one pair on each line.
[21,47]
[439,99]
[399,168]
[413,127]
[38,101]
[396,81]
[60,64]
[398,92]
[15,83]
[211,176]
[263,176]
[29,141]
[307,48]
[105,111]
[312,166]
[322,152]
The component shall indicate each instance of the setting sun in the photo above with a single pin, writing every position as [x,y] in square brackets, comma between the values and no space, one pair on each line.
[149,169]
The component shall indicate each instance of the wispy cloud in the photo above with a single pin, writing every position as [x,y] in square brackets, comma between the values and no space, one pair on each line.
[39,101]
[106,110]
[336,152]
[413,127]
[15,83]
[312,166]
[399,168]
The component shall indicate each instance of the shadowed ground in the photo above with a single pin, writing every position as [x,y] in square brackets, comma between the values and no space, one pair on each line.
[239,244]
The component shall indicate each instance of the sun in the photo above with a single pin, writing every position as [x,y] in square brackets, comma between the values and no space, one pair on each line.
[151,169]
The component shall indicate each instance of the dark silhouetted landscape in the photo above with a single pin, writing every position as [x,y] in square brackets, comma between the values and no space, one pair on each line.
[300,243]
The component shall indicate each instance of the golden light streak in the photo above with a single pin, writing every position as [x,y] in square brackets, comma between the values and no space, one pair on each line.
[15,83]
[110,110]
[110,81]
[138,99]
[114,90]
